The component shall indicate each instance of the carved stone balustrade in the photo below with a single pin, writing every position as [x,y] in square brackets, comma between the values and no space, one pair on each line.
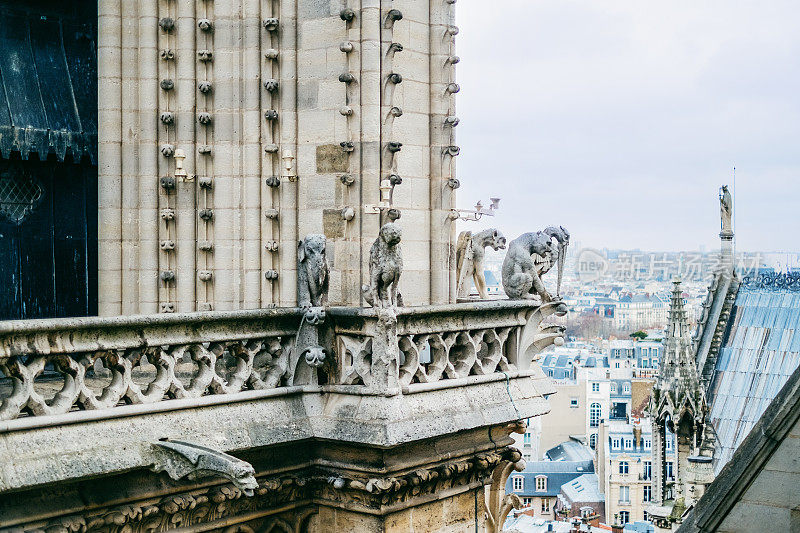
[368,434]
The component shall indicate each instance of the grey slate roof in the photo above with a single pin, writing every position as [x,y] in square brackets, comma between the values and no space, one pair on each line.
[569,451]
[558,473]
[583,489]
[760,350]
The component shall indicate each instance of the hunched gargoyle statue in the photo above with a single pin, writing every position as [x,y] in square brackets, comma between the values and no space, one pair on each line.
[385,268]
[312,272]
[180,459]
[470,253]
[522,273]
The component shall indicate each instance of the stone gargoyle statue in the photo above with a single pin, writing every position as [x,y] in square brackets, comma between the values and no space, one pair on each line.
[180,459]
[385,268]
[530,256]
[470,254]
[312,272]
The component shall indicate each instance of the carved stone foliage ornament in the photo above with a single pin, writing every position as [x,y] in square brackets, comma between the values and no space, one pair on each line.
[470,254]
[385,268]
[530,256]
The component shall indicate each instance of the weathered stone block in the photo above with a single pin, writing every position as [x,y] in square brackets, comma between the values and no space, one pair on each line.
[330,159]
[333,225]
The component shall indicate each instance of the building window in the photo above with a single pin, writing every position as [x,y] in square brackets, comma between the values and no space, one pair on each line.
[624,517]
[526,456]
[595,387]
[541,483]
[648,444]
[616,365]
[626,388]
[624,494]
[647,470]
[593,440]
[670,476]
[527,501]
[594,415]
[550,373]
[519,483]
[615,443]
[645,516]
[623,467]
[526,438]
[628,444]
[614,385]
[545,505]
[647,494]
[669,442]
[573,402]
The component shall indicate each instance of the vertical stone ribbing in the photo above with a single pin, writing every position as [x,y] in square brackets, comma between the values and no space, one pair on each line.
[185,125]
[148,157]
[130,160]
[287,14]
[110,157]
[370,145]
[442,229]
[204,160]
[251,154]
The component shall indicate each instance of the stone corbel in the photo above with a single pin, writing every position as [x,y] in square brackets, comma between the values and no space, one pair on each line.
[535,336]
[180,459]
[498,503]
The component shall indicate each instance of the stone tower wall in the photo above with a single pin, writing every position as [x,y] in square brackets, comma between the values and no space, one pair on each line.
[194,76]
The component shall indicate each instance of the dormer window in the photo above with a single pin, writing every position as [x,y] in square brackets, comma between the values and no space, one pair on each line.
[518,483]
[541,483]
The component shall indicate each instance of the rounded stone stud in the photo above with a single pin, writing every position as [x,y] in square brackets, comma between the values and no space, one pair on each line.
[273,181]
[453,183]
[393,214]
[167,150]
[452,150]
[394,179]
[167,245]
[395,78]
[271,24]
[205,25]
[205,55]
[347,146]
[453,60]
[167,54]
[204,118]
[452,30]
[204,149]
[347,179]
[271,85]
[450,1]
[271,214]
[393,16]
[206,214]
[346,110]
[205,182]
[395,47]
[452,88]
[453,215]
[396,111]
[167,182]
[394,146]
[168,213]
[167,85]
[205,275]
[271,114]
[347,14]
[452,121]
[346,47]
[271,246]
[271,148]
[271,275]
[167,24]
[167,117]
[204,86]
[271,53]
[167,275]
[205,246]
[206,306]
[348,213]
[347,77]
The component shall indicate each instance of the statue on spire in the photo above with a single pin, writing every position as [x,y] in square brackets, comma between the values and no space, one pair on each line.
[726,210]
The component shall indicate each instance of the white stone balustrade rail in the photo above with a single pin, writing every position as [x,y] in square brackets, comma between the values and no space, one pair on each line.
[54,367]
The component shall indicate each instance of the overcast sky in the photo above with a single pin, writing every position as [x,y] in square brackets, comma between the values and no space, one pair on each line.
[620,119]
